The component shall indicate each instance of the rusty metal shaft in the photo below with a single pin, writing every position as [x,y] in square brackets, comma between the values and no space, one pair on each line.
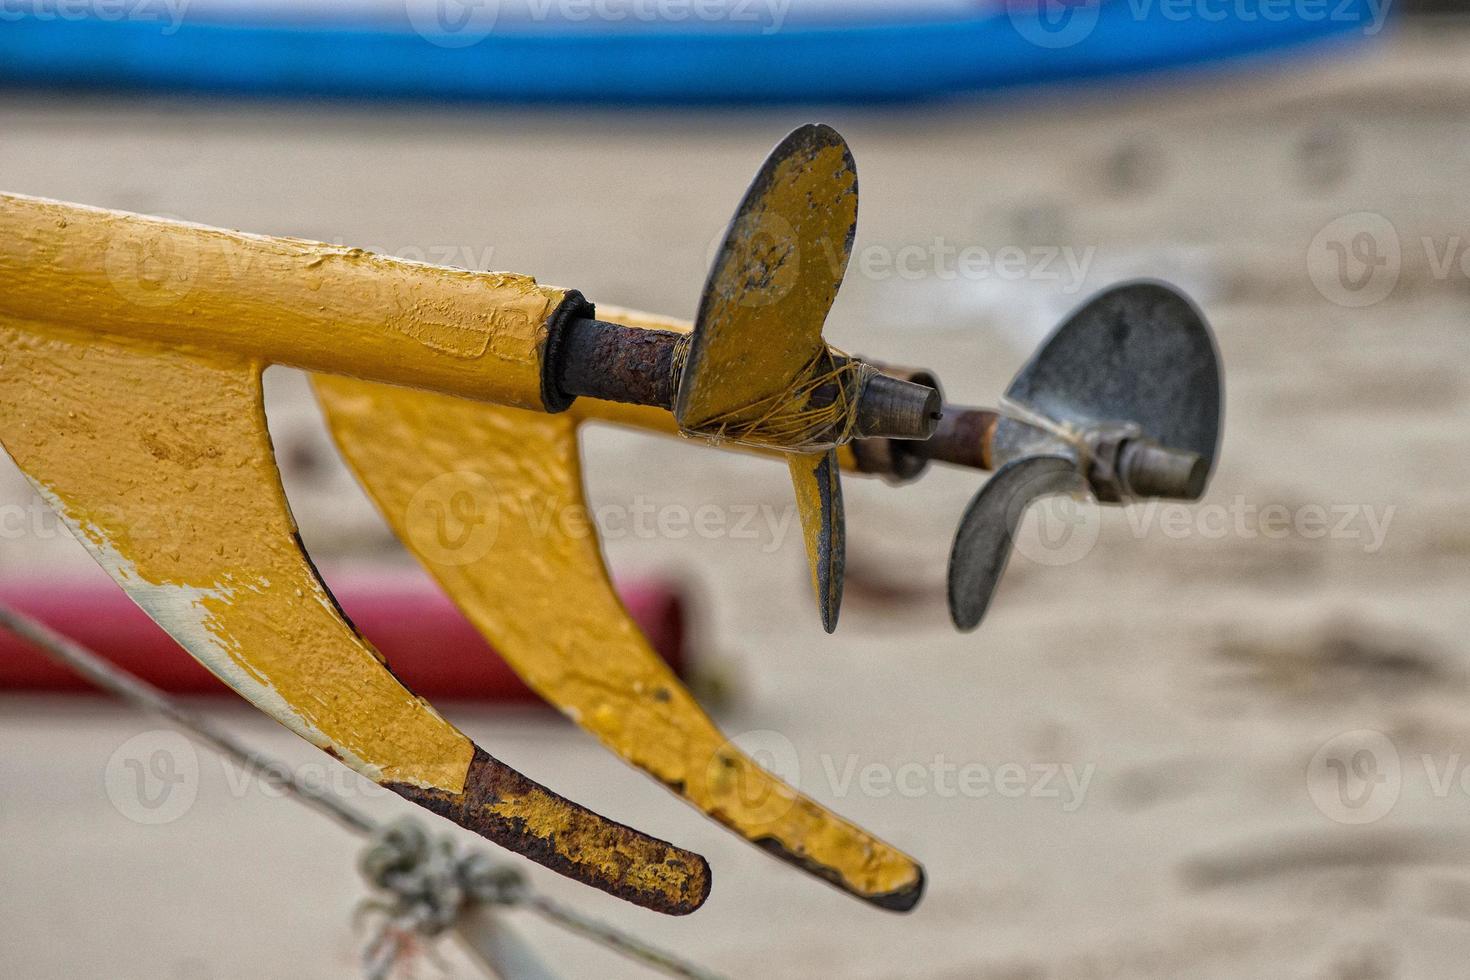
[963,438]
[635,366]
[615,363]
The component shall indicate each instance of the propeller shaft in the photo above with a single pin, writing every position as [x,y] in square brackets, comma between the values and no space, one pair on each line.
[635,366]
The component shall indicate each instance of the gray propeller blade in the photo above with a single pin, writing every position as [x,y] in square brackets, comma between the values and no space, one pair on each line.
[1138,353]
[983,545]
[1131,384]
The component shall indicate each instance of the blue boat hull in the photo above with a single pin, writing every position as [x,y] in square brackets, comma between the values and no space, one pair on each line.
[894,60]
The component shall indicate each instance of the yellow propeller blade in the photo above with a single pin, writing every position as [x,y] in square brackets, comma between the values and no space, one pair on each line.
[482,496]
[773,281]
[817,480]
[160,462]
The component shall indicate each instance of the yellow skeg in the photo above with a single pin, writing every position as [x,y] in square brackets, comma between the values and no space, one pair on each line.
[160,462]
[490,500]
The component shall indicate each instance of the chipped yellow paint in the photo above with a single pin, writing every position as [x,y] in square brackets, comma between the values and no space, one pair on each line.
[139,341]
[773,281]
[160,462]
[639,863]
[275,300]
[147,453]
[539,591]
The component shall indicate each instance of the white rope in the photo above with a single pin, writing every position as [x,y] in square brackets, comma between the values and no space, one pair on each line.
[428,884]
[1065,431]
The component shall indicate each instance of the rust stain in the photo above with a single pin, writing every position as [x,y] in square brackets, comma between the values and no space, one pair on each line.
[502,805]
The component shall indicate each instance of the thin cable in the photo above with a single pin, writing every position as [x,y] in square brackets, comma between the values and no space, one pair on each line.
[573,921]
[791,419]
[149,698]
[497,888]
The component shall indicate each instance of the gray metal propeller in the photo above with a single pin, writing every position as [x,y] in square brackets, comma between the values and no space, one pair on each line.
[1122,402]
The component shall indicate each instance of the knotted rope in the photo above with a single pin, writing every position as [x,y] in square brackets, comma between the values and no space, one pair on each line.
[427,884]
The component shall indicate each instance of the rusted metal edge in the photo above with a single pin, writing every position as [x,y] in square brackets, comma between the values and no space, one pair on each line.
[586,847]
[963,438]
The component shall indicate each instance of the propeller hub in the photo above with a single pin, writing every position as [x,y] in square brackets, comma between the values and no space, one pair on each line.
[891,408]
[1151,470]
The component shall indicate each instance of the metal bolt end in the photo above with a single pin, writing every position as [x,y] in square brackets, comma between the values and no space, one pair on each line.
[1151,470]
[889,408]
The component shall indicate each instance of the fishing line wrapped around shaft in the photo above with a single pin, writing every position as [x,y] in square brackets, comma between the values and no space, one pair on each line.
[1071,434]
[793,419]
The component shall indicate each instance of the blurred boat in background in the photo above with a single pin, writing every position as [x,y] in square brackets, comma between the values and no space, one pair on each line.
[643,51]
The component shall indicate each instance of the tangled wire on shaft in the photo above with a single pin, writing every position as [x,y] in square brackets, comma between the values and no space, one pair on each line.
[793,419]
